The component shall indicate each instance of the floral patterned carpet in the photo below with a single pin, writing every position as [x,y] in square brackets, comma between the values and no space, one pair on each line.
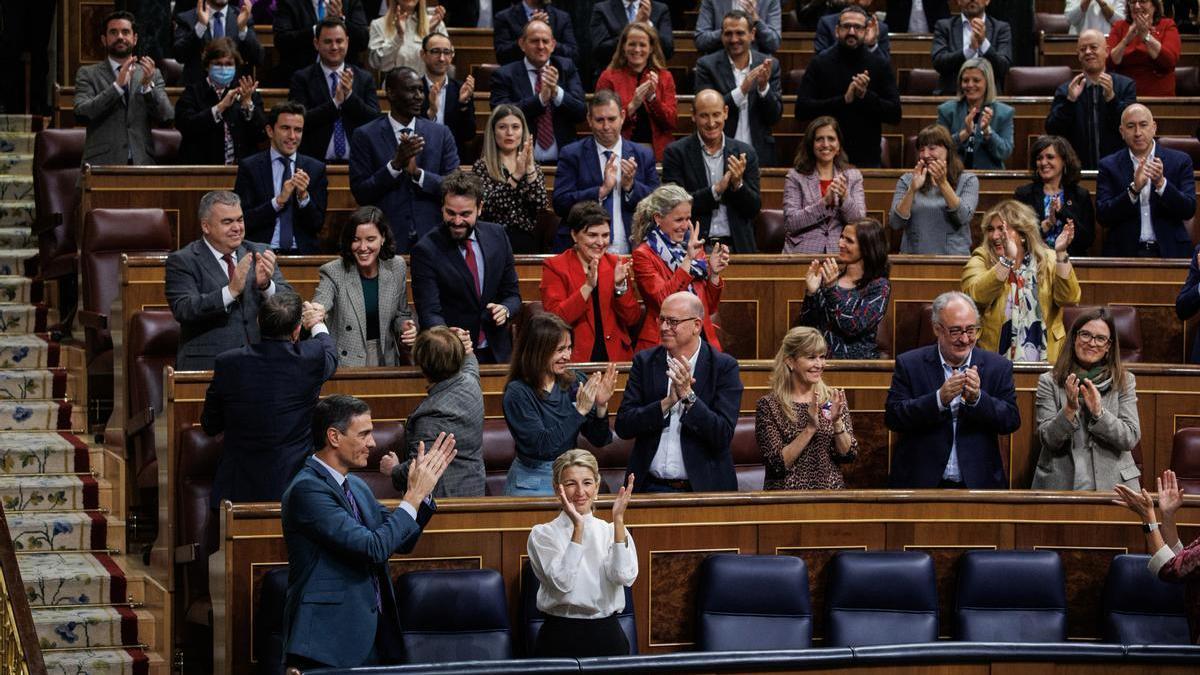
[55,497]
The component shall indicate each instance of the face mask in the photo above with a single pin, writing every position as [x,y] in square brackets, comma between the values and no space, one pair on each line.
[221,75]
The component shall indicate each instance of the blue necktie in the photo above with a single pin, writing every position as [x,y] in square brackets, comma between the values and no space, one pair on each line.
[339,131]
[358,516]
[320,10]
[608,201]
[632,11]
[285,215]
[218,26]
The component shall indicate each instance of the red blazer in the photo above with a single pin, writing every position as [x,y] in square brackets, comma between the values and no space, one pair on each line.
[562,277]
[656,281]
[1152,77]
[661,109]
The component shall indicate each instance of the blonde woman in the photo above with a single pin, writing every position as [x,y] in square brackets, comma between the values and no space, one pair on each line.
[1020,284]
[982,127]
[514,187]
[583,565]
[803,426]
[395,38]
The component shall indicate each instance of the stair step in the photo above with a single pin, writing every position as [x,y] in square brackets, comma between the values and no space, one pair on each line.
[16,164]
[36,416]
[31,385]
[44,531]
[15,186]
[33,452]
[64,579]
[22,141]
[54,493]
[15,289]
[28,351]
[17,237]
[20,319]
[92,627]
[15,213]
[115,661]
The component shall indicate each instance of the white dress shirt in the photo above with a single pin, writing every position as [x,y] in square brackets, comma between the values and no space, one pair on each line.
[917,23]
[984,46]
[1162,556]
[550,154]
[340,478]
[952,472]
[581,581]
[619,239]
[398,129]
[668,459]
[227,296]
[1092,18]
[742,101]
[1143,200]
[714,167]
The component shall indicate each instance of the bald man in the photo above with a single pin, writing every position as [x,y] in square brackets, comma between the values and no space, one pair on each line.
[681,405]
[1144,193]
[1087,109]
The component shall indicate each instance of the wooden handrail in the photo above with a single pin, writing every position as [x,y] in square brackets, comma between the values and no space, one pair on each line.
[19,649]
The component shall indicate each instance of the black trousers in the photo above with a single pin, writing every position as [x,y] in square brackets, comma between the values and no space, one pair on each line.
[561,637]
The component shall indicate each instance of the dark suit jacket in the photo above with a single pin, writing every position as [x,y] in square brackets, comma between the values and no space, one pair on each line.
[609,19]
[194,280]
[899,12]
[310,87]
[827,37]
[705,430]
[412,210]
[188,49]
[444,291]
[465,13]
[948,51]
[329,615]
[1078,207]
[1187,305]
[927,433]
[293,28]
[256,187]
[1120,215]
[460,117]
[683,164]
[579,178]
[510,23]
[714,72]
[1090,121]
[511,85]
[203,138]
[262,397]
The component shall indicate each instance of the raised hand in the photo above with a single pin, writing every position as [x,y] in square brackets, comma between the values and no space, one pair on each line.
[247,86]
[499,313]
[425,471]
[919,173]
[300,181]
[812,280]
[345,86]
[621,501]
[1071,389]
[1091,397]
[623,271]
[264,267]
[388,463]
[1063,242]
[243,16]
[1075,88]
[467,89]
[237,282]
[719,259]
[1170,496]
[695,245]
[629,169]
[202,13]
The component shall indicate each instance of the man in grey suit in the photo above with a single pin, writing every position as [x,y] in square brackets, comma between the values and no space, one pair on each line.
[969,35]
[216,284]
[765,16]
[119,97]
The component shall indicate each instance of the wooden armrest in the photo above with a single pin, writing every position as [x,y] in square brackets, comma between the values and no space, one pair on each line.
[93,320]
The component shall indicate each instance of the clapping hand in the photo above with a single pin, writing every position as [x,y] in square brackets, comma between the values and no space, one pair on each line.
[937,172]
[971,385]
[836,192]
[540,15]
[1010,244]
[813,279]
[425,471]
[243,16]
[643,12]
[1091,397]
[718,260]
[345,85]
[148,68]
[549,83]
[829,271]
[622,271]
[467,89]
[438,16]
[435,92]
[333,8]
[951,388]
[751,10]
[969,124]
[227,100]
[1154,172]
[837,400]
[985,121]
[300,182]
[1063,242]
[629,169]
[202,13]
[621,501]
[524,161]
[591,273]
[919,174]
[679,378]
[1071,391]
[978,32]
[1051,215]
[1140,174]
[1106,83]
[610,177]
[605,387]
[237,282]
[264,267]
[735,168]
[1075,87]
[585,397]
[247,86]
[407,151]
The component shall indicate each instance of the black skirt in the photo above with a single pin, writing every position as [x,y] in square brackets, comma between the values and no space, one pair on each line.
[561,637]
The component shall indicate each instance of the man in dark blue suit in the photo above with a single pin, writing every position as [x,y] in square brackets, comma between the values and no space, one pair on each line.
[463,273]
[341,608]
[339,98]
[949,402]
[681,405]
[261,398]
[398,161]
[1187,305]
[283,192]
[296,22]
[447,101]
[510,23]
[207,21]
[547,90]
[604,168]
[1144,193]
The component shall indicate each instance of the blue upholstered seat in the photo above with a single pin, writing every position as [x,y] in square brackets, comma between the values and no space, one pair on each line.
[881,597]
[1139,609]
[1011,596]
[753,602]
[454,615]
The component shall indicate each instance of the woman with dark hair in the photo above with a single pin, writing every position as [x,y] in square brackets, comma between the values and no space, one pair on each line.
[847,298]
[1056,195]
[547,406]
[981,126]
[590,289]
[638,74]
[934,203]
[220,118]
[1145,46]
[365,290]
[1087,412]
[822,192]
[514,188]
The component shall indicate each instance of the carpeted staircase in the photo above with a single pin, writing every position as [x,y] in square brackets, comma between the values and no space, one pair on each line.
[62,496]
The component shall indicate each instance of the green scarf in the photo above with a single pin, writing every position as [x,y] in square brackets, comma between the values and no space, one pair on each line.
[1100,375]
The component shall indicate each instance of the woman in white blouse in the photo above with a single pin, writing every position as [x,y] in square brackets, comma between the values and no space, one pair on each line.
[1093,14]
[583,564]
[396,37]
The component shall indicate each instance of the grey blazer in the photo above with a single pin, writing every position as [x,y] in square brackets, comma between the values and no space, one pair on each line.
[116,131]
[340,292]
[1093,454]
[454,405]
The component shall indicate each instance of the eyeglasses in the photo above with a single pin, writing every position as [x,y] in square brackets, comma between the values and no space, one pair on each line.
[1088,336]
[674,323]
[959,331]
[440,52]
[856,27]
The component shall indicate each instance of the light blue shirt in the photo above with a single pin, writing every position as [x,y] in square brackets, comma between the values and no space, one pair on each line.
[276,178]
[983,46]
[952,472]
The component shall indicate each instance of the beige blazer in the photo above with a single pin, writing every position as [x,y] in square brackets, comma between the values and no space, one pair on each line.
[340,292]
[1094,453]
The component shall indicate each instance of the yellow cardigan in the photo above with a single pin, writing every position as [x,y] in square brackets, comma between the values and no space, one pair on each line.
[979,282]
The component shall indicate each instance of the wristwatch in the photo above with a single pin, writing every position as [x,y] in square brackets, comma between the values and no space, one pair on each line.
[1133,191]
[1149,527]
[1066,258]
[690,398]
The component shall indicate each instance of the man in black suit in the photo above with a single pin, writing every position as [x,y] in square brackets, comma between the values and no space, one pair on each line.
[283,192]
[463,273]
[681,405]
[609,18]
[510,24]
[966,36]
[720,172]
[262,397]
[472,13]
[753,94]
[216,284]
[296,24]
[447,101]
[547,90]
[902,20]
[211,20]
[1087,109]
[339,98]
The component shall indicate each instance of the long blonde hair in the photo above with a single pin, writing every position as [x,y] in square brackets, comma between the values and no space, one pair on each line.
[491,153]
[1022,220]
[389,26]
[662,201]
[801,341]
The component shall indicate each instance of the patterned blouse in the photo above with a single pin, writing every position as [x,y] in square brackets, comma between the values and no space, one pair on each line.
[816,467]
[848,317]
[1182,566]
[514,207]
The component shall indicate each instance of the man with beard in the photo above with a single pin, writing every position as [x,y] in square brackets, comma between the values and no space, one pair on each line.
[463,274]
[119,97]
[969,35]
[1087,109]
[854,86]
[875,37]
[397,161]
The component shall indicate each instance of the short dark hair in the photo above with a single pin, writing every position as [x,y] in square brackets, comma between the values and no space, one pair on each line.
[460,183]
[604,97]
[285,108]
[279,315]
[737,14]
[535,344]
[873,247]
[120,15]
[362,216]
[330,22]
[586,214]
[335,411]
[425,40]
[219,49]
[853,9]
[806,155]
[1070,160]
[391,77]
[438,353]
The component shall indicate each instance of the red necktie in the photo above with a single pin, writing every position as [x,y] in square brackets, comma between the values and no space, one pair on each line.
[545,122]
[473,266]
[228,258]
